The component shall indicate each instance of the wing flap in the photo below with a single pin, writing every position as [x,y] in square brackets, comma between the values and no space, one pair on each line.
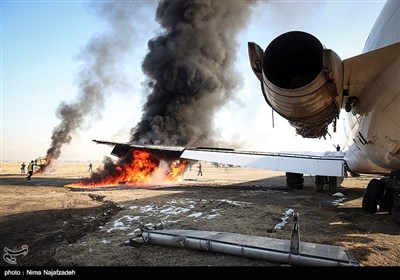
[360,70]
[285,162]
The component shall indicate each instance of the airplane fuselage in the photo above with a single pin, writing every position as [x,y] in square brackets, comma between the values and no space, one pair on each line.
[373,127]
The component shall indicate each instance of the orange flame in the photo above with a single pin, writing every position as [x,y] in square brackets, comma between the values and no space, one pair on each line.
[42,163]
[143,168]
[177,169]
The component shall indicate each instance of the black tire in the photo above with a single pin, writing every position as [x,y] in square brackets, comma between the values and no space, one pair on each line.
[299,186]
[319,183]
[395,213]
[294,186]
[387,200]
[332,184]
[290,186]
[373,194]
[294,175]
[291,180]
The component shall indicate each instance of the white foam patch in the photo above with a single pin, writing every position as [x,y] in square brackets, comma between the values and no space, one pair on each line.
[195,214]
[119,225]
[236,203]
[166,222]
[147,208]
[338,194]
[173,210]
[284,219]
[338,202]
[212,216]
[130,218]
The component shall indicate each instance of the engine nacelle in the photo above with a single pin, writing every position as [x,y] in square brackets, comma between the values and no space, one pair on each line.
[301,80]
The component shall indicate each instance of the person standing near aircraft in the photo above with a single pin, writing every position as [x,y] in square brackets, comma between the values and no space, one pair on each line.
[30,170]
[23,168]
[200,172]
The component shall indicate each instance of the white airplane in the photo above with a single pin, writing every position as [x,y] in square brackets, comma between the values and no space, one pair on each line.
[310,86]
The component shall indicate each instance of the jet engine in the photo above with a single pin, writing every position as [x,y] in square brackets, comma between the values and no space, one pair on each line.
[301,80]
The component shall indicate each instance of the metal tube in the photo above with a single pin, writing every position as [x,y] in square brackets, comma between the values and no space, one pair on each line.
[283,255]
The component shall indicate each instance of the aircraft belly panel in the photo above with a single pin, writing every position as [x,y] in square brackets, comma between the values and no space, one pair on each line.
[392,110]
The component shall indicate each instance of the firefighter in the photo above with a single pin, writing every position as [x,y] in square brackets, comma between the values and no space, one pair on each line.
[23,168]
[200,172]
[30,170]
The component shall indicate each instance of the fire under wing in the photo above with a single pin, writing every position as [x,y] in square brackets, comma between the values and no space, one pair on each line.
[331,164]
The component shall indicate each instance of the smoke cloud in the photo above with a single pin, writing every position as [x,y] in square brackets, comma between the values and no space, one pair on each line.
[101,59]
[190,75]
[190,69]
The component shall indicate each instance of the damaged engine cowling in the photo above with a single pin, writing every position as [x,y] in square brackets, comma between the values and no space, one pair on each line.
[301,80]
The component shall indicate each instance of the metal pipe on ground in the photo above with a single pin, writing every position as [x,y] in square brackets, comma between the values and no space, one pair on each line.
[256,247]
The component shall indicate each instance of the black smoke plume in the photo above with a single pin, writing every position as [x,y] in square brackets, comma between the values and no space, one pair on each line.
[102,58]
[191,73]
[190,69]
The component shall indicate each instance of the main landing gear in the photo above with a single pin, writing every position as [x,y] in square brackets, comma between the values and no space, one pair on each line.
[322,182]
[296,181]
[384,194]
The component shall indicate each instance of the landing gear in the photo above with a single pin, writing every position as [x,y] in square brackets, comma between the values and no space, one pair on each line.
[319,183]
[332,184]
[384,194]
[395,214]
[351,102]
[387,201]
[373,194]
[294,180]
[329,181]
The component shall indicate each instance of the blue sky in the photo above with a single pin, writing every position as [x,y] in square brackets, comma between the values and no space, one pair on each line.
[40,46]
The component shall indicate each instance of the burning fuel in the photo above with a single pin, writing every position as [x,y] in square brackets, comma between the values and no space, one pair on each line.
[139,168]
[40,164]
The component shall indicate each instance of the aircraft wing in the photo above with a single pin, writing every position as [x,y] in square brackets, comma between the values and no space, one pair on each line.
[361,69]
[166,152]
[331,164]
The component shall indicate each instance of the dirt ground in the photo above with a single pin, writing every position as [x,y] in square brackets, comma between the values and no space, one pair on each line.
[92,227]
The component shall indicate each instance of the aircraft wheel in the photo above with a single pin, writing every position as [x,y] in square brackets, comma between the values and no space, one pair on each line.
[293,175]
[319,183]
[294,186]
[387,200]
[395,214]
[332,184]
[373,194]
[294,180]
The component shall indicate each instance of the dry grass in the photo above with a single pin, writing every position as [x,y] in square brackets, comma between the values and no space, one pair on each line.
[77,227]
